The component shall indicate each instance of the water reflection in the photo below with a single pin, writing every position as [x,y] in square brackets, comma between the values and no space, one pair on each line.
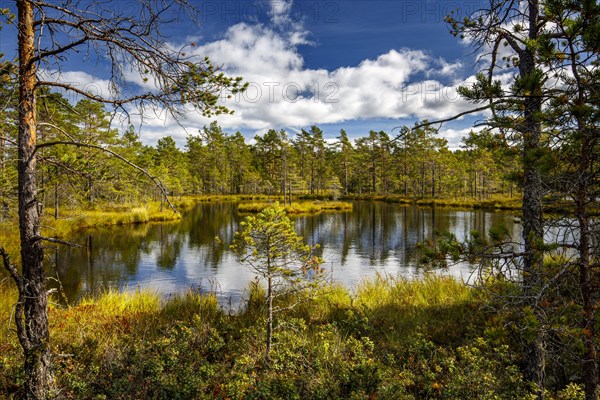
[172,257]
[382,238]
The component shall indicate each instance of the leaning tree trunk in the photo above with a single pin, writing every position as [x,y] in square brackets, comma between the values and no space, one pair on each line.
[590,359]
[34,335]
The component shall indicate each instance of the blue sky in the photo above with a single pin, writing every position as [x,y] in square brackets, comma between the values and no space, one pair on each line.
[353,64]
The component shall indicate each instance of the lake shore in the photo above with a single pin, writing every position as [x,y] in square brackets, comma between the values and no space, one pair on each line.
[399,338]
[298,206]
[493,203]
[73,219]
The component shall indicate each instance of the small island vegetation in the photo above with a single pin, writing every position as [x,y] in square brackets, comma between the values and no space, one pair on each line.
[298,207]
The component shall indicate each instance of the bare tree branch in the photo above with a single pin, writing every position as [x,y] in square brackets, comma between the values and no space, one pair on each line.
[442,121]
[456,116]
[48,53]
[57,241]
[8,140]
[21,334]
[61,130]
[116,102]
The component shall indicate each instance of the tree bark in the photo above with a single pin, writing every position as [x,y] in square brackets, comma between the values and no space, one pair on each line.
[433,180]
[269,340]
[284,176]
[56,205]
[590,357]
[35,301]
[532,207]
[584,178]
[3,194]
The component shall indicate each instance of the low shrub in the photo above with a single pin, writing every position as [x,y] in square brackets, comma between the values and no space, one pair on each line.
[389,339]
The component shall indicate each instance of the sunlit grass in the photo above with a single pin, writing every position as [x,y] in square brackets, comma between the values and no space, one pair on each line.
[439,307]
[101,318]
[9,239]
[185,306]
[11,357]
[233,197]
[72,220]
[302,207]
[336,343]
[429,291]
[8,298]
[498,202]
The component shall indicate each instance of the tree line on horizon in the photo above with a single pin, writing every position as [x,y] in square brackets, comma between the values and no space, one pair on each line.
[414,163]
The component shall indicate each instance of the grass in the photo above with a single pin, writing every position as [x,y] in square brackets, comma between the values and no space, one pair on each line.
[104,319]
[73,220]
[495,202]
[9,237]
[233,197]
[434,306]
[302,207]
[390,338]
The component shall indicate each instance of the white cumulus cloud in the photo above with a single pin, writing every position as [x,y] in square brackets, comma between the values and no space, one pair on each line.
[284,93]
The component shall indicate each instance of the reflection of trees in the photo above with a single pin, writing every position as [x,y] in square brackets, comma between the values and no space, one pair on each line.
[169,245]
[114,255]
[117,252]
[376,232]
[207,222]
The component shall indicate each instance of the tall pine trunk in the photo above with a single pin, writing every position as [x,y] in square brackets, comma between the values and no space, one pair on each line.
[269,337]
[590,358]
[34,339]
[3,193]
[532,204]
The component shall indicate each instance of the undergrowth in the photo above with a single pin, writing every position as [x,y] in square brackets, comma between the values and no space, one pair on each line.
[389,339]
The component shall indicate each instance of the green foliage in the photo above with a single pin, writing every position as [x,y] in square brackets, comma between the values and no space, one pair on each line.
[474,371]
[571,392]
[301,207]
[391,339]
[445,248]
[74,219]
[269,245]
[419,167]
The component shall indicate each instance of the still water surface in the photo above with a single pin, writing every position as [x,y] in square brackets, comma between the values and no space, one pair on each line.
[373,238]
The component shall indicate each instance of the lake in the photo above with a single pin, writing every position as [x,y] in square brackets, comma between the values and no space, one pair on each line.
[374,238]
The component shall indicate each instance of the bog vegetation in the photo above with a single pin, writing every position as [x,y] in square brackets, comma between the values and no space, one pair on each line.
[530,330]
[391,339]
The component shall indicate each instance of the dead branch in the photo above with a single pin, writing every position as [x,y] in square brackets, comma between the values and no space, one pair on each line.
[12,270]
[8,140]
[57,241]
